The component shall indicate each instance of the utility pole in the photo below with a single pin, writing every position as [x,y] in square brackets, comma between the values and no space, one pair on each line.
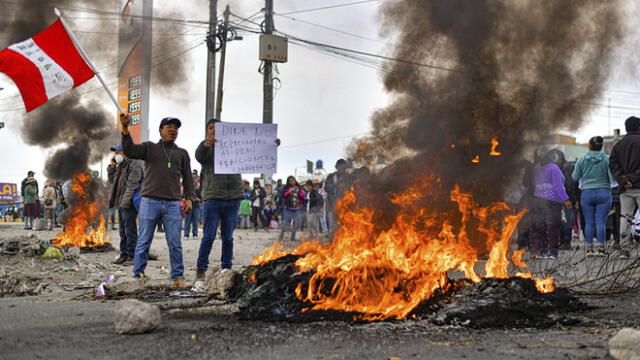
[267,105]
[223,56]
[267,85]
[211,63]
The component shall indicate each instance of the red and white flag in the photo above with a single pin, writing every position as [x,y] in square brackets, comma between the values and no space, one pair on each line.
[45,65]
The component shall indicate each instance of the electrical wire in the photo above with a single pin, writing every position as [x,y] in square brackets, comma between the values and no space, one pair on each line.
[328,7]
[114,14]
[331,29]
[284,147]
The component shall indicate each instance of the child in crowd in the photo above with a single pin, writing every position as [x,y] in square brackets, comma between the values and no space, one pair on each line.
[269,214]
[245,212]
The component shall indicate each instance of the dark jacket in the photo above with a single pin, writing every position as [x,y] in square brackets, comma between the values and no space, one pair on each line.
[125,180]
[161,181]
[269,213]
[570,186]
[315,201]
[335,186]
[624,161]
[257,193]
[217,186]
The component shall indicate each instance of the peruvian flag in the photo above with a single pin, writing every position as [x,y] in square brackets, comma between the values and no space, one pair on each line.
[45,65]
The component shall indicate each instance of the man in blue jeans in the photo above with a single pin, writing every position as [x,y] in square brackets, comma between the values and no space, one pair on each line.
[165,165]
[222,194]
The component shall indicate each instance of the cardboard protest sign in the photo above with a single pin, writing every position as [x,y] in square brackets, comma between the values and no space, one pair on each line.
[245,148]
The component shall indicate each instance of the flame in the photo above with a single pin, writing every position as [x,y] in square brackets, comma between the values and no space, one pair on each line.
[386,273]
[80,231]
[494,145]
[544,285]
[476,159]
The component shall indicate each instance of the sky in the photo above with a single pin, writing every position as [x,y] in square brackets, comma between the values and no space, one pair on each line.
[322,104]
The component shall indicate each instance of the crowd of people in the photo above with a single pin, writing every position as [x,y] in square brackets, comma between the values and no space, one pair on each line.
[39,210]
[152,186]
[599,196]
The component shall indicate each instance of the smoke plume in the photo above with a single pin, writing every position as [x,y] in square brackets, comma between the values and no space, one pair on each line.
[516,71]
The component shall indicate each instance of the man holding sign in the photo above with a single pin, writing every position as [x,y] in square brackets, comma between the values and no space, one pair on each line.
[239,148]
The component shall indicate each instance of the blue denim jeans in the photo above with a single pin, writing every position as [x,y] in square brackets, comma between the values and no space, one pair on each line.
[224,213]
[291,219]
[152,212]
[595,204]
[191,220]
[128,232]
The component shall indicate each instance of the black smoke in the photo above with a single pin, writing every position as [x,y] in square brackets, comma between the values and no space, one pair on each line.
[83,132]
[517,71]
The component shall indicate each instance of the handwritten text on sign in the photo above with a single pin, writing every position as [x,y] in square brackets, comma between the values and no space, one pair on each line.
[245,148]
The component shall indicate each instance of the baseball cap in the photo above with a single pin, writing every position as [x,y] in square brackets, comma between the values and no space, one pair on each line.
[170,120]
[116,148]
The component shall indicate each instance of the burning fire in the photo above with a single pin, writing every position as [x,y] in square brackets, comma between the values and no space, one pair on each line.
[79,227]
[494,145]
[476,159]
[387,273]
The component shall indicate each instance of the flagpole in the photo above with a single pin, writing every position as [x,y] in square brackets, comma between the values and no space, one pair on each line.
[86,58]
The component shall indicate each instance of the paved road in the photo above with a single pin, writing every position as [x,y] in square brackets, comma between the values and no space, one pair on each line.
[52,328]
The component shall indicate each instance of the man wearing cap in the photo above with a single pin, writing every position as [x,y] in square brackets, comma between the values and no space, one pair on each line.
[125,177]
[165,164]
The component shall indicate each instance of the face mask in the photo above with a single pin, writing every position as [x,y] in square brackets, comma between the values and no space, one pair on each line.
[119,158]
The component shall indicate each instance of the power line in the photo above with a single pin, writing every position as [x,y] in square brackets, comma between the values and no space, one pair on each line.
[408,62]
[114,13]
[328,7]
[324,140]
[330,29]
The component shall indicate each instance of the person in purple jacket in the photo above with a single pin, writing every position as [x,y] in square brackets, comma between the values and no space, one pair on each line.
[546,205]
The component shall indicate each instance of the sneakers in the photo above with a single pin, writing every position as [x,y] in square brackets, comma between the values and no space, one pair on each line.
[200,274]
[181,283]
[537,256]
[600,251]
[120,261]
[624,254]
[589,252]
[142,277]
[186,237]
